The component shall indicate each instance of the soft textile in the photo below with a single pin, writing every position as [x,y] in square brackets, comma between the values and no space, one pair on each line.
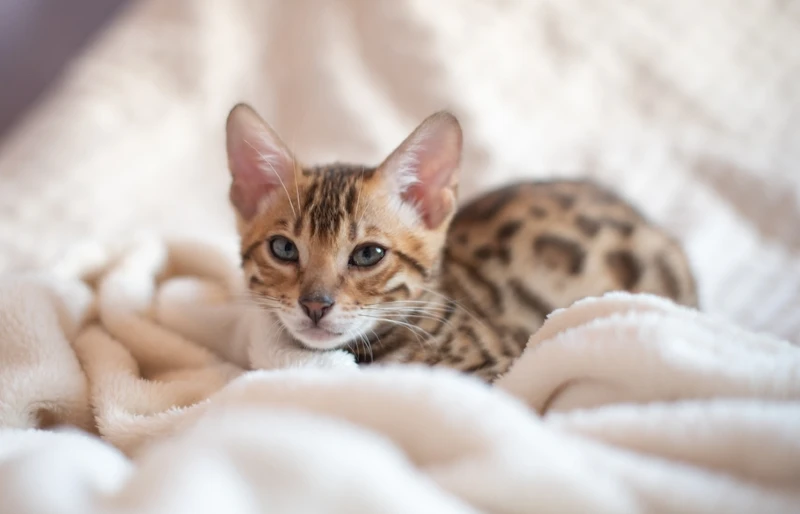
[623,403]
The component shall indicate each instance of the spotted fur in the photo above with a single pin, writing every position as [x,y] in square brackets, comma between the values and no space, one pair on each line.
[464,289]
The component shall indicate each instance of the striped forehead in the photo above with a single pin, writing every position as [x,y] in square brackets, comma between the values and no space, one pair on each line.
[331,198]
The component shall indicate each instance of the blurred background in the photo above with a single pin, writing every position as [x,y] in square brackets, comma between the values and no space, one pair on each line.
[37,39]
[112,114]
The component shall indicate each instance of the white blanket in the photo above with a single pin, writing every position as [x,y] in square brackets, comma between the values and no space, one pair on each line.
[620,404]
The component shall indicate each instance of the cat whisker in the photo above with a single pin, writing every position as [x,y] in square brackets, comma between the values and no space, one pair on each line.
[408,313]
[367,345]
[412,328]
[408,317]
[378,338]
[456,304]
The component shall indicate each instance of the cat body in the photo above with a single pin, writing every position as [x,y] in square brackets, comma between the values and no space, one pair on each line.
[380,262]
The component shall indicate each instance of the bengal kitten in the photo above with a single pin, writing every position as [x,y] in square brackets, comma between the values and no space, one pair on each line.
[379,261]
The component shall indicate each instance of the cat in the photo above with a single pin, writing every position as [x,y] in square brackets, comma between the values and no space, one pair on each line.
[380,262]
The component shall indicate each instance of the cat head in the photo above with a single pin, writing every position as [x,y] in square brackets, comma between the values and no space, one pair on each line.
[337,252]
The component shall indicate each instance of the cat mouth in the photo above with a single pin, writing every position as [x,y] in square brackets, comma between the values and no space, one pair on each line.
[317,334]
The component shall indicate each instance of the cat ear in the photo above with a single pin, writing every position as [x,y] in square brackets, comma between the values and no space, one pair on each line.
[424,168]
[258,160]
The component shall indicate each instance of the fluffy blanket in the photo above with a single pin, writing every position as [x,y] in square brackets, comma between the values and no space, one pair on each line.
[620,404]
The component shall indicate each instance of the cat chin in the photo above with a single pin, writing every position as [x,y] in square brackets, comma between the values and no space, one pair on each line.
[320,339]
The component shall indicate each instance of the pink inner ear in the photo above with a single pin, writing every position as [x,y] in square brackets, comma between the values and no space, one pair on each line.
[431,155]
[258,161]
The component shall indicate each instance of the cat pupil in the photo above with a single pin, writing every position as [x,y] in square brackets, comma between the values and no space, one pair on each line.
[283,249]
[367,255]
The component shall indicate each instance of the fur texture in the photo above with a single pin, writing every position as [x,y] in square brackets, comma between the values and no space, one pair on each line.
[377,261]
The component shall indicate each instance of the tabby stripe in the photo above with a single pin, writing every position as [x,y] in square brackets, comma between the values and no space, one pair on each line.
[350,205]
[508,347]
[529,299]
[250,249]
[479,366]
[384,348]
[475,276]
[415,264]
[451,309]
[486,355]
[447,344]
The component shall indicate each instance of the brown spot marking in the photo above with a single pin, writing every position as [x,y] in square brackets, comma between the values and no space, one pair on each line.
[558,252]
[538,212]
[504,254]
[462,238]
[670,282]
[625,228]
[255,281]
[590,227]
[563,200]
[483,253]
[508,229]
[521,337]
[455,359]
[625,267]
[495,298]
[529,299]
[353,232]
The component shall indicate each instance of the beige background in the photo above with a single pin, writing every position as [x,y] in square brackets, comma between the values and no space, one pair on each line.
[690,109]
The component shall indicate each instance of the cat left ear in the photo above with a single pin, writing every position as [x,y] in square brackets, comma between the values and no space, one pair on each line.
[424,168]
[259,162]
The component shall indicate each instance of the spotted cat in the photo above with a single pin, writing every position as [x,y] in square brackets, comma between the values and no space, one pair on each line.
[380,262]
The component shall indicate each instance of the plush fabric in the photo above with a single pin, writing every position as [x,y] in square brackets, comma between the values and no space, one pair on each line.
[620,404]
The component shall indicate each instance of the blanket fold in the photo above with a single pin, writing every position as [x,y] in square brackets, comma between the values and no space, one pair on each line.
[625,403]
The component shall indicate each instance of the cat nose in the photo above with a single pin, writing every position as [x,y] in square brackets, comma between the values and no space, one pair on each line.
[316,306]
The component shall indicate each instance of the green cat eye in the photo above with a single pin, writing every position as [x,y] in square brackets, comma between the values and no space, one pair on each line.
[367,255]
[283,249]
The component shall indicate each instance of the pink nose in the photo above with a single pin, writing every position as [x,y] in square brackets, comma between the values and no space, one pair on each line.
[316,306]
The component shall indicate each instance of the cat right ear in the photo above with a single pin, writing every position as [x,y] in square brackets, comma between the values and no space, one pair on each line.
[258,160]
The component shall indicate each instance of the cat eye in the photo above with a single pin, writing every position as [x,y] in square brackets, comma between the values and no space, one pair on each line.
[283,249]
[367,255]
